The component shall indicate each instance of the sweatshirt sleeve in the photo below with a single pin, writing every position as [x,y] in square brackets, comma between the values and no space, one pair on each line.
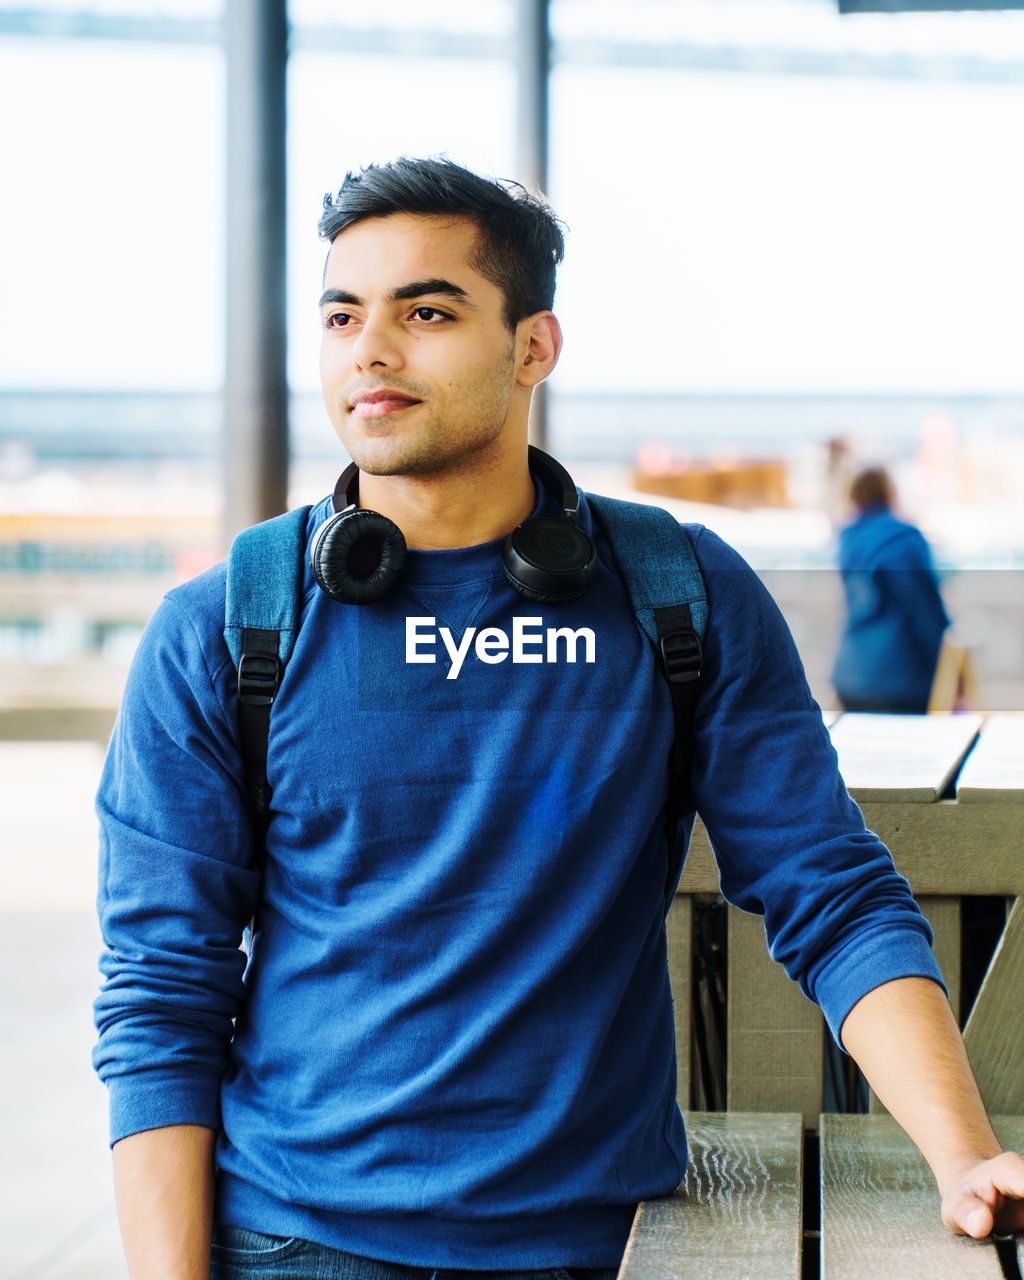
[911,583]
[791,844]
[175,884]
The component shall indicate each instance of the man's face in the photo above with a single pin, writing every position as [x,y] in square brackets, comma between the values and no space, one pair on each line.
[405,312]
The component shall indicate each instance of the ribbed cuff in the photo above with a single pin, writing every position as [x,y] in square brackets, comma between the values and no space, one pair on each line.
[151,1101]
[868,963]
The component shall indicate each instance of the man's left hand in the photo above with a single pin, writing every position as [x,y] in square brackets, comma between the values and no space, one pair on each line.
[986,1197]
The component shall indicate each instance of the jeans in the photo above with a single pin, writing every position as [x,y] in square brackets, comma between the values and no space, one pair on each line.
[241,1254]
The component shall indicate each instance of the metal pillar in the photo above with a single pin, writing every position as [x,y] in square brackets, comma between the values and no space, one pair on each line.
[255,442]
[533,64]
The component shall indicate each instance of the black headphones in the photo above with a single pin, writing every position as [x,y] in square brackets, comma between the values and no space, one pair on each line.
[357,554]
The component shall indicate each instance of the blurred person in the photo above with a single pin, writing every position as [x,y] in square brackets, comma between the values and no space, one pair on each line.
[895,618]
[453,1045]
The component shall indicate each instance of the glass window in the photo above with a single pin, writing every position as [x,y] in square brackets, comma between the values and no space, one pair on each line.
[614,31]
[112,255]
[789,229]
[399,17]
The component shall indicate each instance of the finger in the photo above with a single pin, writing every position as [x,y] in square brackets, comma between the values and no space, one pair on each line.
[979,1222]
[999,1185]
[967,1215]
[1007,1172]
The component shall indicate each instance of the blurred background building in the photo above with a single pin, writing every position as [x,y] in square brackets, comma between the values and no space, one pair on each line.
[794,246]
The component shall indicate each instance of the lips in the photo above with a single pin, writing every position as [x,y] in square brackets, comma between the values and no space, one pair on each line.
[378,404]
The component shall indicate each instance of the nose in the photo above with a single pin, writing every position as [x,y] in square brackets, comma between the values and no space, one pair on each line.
[376,345]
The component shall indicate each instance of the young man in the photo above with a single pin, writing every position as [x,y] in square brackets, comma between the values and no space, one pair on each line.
[454,1045]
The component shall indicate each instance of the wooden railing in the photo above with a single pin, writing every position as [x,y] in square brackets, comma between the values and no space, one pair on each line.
[946,794]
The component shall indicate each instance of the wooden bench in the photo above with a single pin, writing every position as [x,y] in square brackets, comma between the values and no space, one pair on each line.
[946,794]
[743,1214]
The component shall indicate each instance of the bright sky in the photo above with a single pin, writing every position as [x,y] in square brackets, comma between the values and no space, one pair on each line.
[727,232]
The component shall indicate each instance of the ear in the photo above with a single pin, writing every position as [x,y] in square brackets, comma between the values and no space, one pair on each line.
[539,341]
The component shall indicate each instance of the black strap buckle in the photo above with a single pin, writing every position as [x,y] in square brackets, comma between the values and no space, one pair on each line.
[681,656]
[259,675]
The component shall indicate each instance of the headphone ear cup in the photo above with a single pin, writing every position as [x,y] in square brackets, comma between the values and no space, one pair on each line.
[540,597]
[549,560]
[357,556]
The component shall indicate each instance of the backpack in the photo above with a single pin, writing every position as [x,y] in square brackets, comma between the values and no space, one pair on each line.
[653,554]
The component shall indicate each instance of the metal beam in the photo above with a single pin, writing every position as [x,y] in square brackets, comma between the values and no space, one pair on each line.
[256,378]
[533,69]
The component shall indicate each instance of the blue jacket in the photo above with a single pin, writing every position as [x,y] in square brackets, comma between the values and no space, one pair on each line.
[894,615]
[456,1045]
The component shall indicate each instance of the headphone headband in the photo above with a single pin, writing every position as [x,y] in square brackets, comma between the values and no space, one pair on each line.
[346,491]
[553,470]
[358,554]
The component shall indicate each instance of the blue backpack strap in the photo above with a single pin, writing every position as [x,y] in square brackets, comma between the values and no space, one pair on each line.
[262,613]
[265,582]
[654,555]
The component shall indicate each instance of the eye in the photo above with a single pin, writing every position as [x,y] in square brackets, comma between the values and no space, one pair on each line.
[342,318]
[429,314]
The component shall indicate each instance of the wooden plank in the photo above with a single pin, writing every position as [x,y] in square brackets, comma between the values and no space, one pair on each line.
[679,931]
[880,1208]
[700,871]
[946,848]
[994,771]
[955,680]
[944,917]
[888,759]
[737,1215]
[994,1034]
[774,1034]
[952,849]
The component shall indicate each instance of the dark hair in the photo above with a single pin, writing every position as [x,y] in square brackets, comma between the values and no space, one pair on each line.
[872,487]
[520,241]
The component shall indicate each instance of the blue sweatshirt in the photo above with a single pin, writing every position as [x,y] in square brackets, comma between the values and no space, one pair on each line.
[456,1042]
[894,615]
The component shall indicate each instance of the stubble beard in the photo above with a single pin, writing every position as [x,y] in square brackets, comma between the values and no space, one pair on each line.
[438,446]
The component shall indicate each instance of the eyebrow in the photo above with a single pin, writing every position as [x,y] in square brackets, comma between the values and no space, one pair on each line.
[415,289]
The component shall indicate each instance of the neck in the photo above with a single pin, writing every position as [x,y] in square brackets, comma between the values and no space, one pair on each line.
[481,499]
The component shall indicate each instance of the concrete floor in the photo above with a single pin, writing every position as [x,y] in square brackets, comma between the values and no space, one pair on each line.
[57,1219]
